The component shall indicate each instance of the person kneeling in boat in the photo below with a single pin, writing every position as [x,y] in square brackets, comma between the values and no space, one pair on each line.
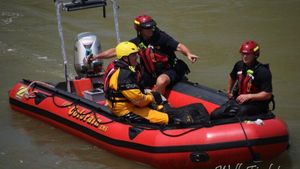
[125,96]
[249,85]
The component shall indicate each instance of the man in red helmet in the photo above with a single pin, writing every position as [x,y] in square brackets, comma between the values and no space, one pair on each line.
[249,84]
[157,51]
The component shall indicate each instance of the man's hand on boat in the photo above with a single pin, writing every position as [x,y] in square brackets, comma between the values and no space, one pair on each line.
[90,58]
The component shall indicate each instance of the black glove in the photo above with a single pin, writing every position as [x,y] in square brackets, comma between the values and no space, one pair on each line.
[157,97]
[90,58]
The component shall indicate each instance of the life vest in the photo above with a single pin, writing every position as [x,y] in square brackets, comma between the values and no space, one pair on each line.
[245,83]
[151,58]
[109,71]
[113,95]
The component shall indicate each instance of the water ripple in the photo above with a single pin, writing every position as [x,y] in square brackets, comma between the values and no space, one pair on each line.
[9,17]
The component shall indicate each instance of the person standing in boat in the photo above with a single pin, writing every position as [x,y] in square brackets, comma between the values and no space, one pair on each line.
[127,99]
[249,84]
[157,50]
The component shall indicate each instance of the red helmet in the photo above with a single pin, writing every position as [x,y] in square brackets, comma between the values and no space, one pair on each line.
[250,47]
[144,22]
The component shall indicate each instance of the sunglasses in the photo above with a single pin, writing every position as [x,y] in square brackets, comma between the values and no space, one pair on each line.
[247,54]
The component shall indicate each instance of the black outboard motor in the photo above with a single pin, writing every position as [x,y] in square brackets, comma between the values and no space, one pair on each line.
[87,44]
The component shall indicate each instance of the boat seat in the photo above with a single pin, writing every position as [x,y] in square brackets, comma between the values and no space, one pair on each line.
[81,85]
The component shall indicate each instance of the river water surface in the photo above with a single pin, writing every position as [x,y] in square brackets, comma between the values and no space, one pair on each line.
[212,29]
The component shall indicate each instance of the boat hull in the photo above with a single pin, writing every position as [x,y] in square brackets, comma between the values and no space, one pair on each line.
[161,147]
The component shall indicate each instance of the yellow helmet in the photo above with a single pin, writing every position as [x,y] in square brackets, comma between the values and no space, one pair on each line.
[125,49]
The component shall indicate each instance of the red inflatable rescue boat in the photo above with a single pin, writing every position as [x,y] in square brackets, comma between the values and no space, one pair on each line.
[82,112]
[79,108]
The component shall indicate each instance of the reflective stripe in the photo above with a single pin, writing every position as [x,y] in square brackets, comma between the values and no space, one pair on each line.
[107,78]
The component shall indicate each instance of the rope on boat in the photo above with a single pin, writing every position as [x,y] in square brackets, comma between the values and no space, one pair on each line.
[61,106]
[32,94]
[255,157]
[180,134]
[162,129]
[76,110]
[28,95]
[81,113]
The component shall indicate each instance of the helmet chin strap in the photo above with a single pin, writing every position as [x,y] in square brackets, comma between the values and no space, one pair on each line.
[127,61]
[130,66]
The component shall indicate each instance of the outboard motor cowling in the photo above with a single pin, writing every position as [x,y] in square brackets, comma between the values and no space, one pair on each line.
[86,44]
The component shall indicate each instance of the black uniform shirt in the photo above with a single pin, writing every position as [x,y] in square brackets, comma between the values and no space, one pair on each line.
[262,74]
[161,41]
